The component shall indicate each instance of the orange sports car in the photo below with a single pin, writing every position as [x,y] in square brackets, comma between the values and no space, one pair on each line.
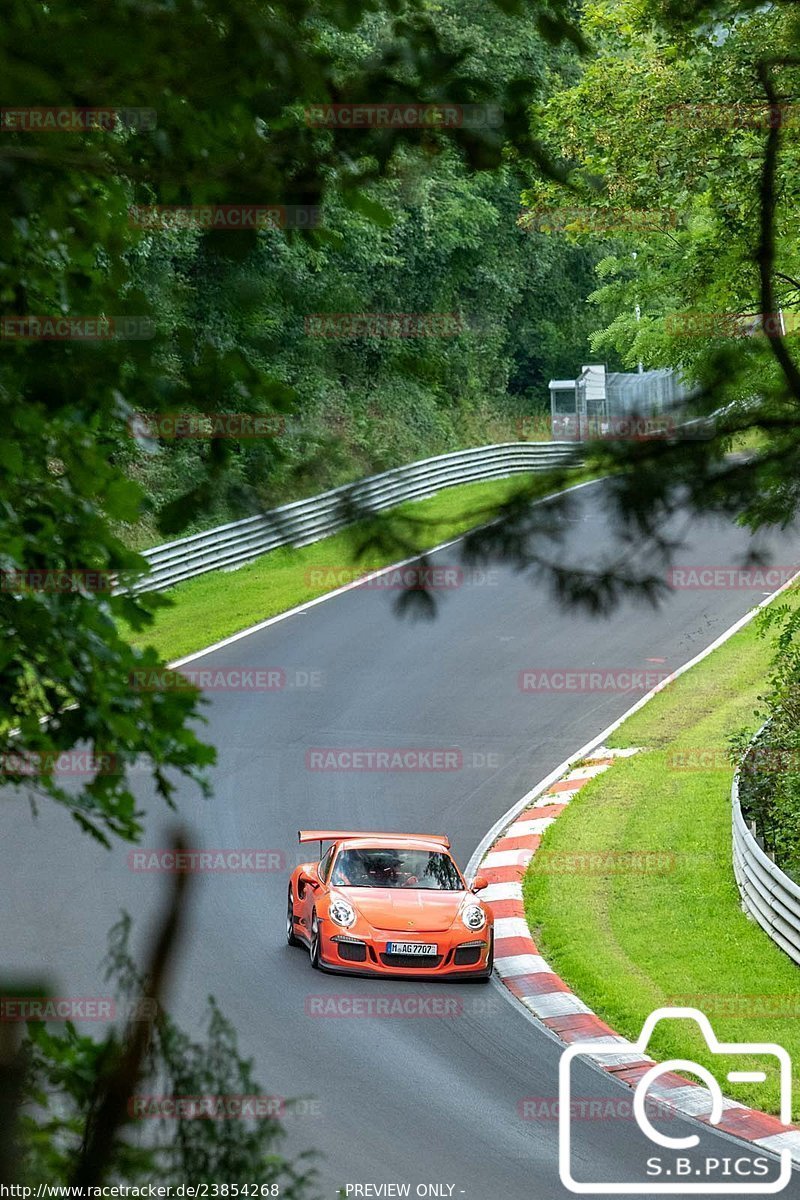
[389,904]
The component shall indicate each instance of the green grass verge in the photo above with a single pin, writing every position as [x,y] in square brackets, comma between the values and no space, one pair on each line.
[630,942]
[221,603]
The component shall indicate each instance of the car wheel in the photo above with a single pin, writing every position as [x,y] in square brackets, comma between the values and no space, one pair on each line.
[290,934]
[314,946]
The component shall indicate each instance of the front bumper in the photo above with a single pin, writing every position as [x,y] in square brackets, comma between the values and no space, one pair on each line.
[458,957]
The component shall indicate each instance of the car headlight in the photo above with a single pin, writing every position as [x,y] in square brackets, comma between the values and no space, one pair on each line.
[342,913]
[474,916]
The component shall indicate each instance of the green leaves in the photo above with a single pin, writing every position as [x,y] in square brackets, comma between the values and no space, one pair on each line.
[65,1073]
[664,120]
[222,314]
[360,203]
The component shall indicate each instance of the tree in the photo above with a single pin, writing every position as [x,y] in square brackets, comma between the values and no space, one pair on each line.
[675,153]
[363,404]
[70,249]
[192,1095]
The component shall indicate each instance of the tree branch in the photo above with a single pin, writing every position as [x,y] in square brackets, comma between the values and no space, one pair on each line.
[765,254]
[115,1091]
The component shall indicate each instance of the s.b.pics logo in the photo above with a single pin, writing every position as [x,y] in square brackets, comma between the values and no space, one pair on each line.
[673,1160]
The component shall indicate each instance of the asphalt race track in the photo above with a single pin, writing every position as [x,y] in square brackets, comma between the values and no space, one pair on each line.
[427,1099]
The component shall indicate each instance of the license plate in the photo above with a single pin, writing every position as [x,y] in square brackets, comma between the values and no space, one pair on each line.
[411,948]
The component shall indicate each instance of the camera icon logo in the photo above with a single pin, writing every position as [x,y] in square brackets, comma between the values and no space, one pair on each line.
[599,1050]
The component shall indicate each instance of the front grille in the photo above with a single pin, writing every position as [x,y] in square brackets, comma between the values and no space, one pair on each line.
[411,960]
[467,956]
[353,951]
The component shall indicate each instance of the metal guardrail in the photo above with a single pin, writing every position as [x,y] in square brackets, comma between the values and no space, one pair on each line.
[305,521]
[768,894]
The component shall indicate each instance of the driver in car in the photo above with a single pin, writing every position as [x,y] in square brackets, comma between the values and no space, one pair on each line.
[372,870]
[385,870]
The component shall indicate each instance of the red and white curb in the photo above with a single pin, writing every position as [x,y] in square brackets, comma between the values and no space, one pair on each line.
[530,978]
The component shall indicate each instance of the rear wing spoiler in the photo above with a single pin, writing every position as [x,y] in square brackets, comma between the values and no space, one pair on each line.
[334,835]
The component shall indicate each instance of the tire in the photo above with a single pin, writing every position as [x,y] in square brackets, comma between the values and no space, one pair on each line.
[313,948]
[291,938]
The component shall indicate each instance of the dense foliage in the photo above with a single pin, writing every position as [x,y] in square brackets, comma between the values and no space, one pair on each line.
[407,217]
[679,145]
[435,237]
[770,763]
[65,1072]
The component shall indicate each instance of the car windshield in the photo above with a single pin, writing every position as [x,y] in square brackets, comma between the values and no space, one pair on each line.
[389,868]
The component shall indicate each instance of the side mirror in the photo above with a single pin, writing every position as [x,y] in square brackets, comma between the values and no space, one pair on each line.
[307,880]
[479,883]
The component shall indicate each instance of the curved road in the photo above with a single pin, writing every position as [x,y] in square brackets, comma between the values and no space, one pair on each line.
[428,1100]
